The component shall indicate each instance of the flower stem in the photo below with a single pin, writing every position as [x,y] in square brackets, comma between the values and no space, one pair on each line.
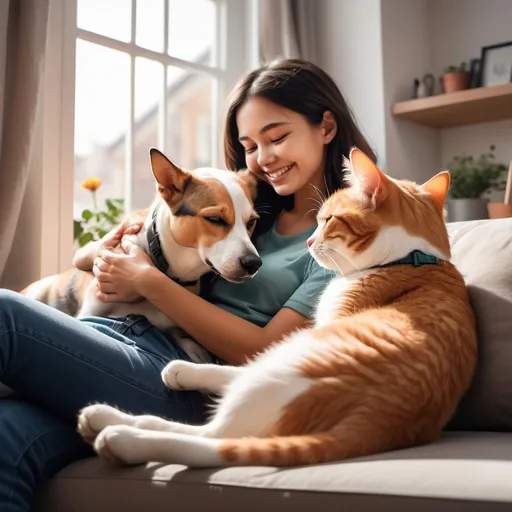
[94,202]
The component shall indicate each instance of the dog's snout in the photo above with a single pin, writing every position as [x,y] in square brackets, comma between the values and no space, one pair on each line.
[250,263]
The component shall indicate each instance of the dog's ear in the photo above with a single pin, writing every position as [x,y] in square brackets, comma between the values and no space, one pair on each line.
[171,179]
[249,180]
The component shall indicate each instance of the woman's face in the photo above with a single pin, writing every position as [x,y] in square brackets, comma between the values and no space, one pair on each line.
[281,146]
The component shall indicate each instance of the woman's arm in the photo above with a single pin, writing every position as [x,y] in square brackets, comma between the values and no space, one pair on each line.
[124,276]
[226,335]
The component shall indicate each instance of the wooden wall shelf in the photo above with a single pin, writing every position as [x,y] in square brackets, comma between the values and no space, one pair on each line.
[471,106]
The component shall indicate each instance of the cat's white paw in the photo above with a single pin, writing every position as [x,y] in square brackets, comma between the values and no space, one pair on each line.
[121,444]
[94,418]
[179,375]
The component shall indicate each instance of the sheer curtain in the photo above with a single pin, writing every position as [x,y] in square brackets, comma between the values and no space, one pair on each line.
[23,27]
[287,29]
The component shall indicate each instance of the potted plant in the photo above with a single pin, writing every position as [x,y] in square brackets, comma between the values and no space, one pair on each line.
[471,179]
[455,78]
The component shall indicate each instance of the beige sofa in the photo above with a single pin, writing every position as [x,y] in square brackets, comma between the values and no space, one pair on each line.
[468,469]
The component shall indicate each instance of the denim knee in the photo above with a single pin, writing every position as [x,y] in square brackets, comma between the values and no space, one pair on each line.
[11,305]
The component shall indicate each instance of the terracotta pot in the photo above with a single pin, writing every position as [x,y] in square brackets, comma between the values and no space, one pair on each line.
[499,210]
[457,81]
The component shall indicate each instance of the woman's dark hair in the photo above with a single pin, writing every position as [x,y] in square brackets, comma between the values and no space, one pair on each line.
[308,90]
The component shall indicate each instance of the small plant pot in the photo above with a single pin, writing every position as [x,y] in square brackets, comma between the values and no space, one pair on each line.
[499,210]
[457,81]
[467,209]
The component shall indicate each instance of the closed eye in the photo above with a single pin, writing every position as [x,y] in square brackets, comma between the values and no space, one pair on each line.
[279,139]
[324,220]
[218,221]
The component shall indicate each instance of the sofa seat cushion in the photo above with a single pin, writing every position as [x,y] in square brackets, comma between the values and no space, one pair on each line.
[461,471]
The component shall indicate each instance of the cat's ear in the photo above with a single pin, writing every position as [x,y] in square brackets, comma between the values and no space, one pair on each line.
[437,188]
[365,177]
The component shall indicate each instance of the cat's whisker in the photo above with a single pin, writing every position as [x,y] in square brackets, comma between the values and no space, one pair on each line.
[326,187]
[311,210]
[348,258]
[324,252]
[319,192]
[336,264]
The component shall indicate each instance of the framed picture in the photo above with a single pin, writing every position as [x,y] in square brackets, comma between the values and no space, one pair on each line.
[475,73]
[496,64]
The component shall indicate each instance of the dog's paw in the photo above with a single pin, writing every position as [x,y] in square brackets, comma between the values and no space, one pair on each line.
[178,375]
[121,444]
[94,418]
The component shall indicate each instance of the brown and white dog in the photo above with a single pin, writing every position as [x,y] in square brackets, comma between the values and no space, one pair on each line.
[200,221]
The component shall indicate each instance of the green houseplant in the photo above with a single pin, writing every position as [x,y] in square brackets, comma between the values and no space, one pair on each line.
[471,179]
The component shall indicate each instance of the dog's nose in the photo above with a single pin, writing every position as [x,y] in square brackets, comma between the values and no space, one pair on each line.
[250,263]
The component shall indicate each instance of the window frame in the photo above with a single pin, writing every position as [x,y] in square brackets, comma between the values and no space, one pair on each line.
[237,44]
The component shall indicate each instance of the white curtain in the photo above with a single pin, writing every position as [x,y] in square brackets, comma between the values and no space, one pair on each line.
[23,26]
[287,29]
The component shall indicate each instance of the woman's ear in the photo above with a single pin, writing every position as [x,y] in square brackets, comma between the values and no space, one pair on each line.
[329,127]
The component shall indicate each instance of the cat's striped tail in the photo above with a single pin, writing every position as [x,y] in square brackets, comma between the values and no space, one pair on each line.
[337,444]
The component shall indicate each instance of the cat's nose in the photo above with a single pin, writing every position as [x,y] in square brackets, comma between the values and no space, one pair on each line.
[311,241]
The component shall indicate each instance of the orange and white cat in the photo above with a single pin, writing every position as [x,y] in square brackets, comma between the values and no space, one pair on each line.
[392,351]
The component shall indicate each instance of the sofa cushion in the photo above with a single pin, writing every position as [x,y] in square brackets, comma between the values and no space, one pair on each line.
[468,471]
[482,251]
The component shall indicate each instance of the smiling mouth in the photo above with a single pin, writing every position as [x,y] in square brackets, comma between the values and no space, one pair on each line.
[277,174]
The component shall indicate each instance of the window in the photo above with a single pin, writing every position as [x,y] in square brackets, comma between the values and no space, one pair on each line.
[127,75]
[156,91]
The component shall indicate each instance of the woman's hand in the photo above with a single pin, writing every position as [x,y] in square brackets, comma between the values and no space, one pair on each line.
[84,256]
[119,275]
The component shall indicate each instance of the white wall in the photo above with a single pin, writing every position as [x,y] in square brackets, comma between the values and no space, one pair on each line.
[349,49]
[375,48]
[461,28]
[412,150]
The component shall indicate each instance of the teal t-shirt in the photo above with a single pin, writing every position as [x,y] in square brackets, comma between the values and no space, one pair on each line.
[289,277]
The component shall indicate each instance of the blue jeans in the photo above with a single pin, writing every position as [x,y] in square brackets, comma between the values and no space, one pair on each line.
[57,364]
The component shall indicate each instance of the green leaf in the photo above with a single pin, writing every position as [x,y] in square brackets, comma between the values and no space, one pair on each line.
[111,206]
[102,233]
[473,177]
[86,215]
[108,217]
[77,229]
[85,238]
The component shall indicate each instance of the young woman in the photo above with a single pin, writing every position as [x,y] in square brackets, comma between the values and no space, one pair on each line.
[289,124]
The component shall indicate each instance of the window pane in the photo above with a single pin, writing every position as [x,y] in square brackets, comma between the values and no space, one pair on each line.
[192,30]
[101,118]
[111,18]
[189,123]
[149,77]
[150,25]
[188,138]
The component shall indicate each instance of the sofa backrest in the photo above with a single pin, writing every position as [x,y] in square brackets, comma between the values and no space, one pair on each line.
[482,251]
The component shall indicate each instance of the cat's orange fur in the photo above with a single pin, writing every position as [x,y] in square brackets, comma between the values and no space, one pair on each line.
[392,352]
